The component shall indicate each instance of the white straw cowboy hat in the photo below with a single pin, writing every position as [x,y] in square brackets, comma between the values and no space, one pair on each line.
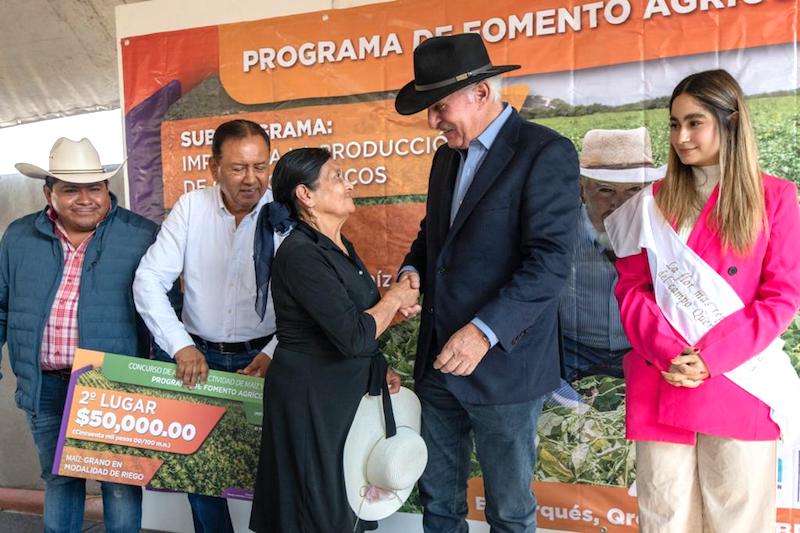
[380,472]
[71,161]
[619,156]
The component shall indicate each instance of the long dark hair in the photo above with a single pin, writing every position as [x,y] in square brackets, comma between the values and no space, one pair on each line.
[297,167]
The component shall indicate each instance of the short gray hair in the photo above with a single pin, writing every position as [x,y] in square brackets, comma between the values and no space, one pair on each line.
[496,86]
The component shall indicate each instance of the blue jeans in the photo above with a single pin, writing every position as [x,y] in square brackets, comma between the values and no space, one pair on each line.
[504,438]
[64,496]
[210,513]
[581,360]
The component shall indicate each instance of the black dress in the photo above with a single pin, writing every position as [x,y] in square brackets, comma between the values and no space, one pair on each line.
[326,354]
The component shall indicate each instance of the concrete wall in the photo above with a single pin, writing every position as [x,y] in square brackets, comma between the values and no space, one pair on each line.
[19,465]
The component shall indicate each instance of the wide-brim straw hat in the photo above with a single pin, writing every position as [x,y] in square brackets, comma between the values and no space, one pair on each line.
[619,156]
[73,162]
[443,65]
[380,473]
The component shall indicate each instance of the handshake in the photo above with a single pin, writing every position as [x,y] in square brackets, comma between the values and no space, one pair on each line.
[405,294]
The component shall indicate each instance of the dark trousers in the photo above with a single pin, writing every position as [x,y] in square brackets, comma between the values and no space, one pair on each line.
[504,438]
[210,513]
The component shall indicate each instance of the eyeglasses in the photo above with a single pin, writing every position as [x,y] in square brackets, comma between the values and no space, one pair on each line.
[241,170]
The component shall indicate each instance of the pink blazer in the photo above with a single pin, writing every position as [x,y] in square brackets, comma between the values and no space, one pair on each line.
[767,281]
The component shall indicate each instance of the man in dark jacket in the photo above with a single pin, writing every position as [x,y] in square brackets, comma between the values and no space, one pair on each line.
[491,257]
[65,282]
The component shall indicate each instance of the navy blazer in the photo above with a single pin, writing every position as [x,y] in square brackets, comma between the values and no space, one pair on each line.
[504,260]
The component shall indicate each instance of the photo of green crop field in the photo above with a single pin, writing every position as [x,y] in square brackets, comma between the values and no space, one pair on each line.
[590,446]
[211,469]
[776,120]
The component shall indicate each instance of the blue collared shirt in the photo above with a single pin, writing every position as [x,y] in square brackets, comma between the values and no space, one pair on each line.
[472,158]
[588,309]
[471,161]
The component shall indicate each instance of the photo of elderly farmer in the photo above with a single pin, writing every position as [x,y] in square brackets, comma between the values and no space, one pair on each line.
[615,165]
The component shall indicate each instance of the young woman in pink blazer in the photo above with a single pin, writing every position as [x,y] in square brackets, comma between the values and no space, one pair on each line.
[706,448]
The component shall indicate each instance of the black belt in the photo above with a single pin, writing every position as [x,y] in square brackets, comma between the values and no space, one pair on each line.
[232,347]
[63,373]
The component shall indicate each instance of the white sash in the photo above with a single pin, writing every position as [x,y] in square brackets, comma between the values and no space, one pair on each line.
[694,298]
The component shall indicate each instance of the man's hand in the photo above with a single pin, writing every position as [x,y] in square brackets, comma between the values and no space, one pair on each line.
[413,278]
[687,369]
[192,366]
[393,380]
[463,352]
[257,367]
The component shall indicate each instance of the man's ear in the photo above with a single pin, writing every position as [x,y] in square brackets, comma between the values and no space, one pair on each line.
[47,194]
[582,184]
[213,168]
[482,91]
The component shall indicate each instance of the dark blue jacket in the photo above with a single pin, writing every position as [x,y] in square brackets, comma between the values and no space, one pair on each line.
[504,259]
[31,266]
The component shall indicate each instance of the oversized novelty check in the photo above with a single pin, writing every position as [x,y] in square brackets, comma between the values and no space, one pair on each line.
[129,420]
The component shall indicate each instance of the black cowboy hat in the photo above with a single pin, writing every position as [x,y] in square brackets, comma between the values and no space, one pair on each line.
[443,65]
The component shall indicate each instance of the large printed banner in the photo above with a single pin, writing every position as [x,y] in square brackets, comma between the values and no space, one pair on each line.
[129,420]
[383,154]
[328,78]
[306,77]
[368,49]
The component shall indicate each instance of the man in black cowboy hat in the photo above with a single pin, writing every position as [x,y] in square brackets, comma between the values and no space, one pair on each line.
[491,257]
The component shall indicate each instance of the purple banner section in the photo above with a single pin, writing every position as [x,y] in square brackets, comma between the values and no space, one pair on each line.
[143,142]
[238,494]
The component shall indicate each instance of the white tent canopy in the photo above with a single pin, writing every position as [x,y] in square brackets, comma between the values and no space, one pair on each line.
[57,58]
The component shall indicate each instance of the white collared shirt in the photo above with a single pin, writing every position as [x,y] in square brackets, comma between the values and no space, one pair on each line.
[200,240]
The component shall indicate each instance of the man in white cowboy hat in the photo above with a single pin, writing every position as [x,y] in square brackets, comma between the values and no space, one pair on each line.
[65,282]
[490,258]
[208,240]
[615,165]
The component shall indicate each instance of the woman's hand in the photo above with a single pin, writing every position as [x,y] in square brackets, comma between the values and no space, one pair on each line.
[402,297]
[393,380]
[413,279]
[406,294]
[687,369]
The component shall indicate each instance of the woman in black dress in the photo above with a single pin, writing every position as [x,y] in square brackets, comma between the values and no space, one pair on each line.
[329,316]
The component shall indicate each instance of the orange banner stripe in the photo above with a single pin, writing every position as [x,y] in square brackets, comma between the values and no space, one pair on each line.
[369,48]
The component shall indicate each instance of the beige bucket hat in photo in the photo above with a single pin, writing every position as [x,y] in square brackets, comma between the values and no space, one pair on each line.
[619,156]
[73,162]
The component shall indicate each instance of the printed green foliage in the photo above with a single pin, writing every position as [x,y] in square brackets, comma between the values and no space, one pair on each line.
[573,447]
[399,344]
[792,339]
[587,447]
